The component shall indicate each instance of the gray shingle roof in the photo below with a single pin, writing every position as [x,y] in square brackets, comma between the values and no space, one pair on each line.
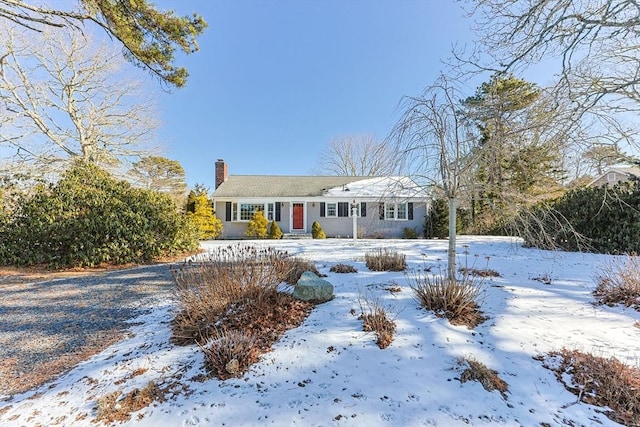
[280,186]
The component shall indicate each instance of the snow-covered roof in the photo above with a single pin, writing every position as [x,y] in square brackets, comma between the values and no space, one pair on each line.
[401,187]
[269,186]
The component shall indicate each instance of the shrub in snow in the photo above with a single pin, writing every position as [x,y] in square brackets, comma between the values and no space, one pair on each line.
[600,381]
[343,268]
[385,260]
[376,319]
[230,354]
[456,300]
[316,231]
[274,231]
[258,226]
[619,281]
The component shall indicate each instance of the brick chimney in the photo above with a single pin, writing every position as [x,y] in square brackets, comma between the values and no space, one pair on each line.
[222,172]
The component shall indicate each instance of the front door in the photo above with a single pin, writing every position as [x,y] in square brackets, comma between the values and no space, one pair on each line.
[298,216]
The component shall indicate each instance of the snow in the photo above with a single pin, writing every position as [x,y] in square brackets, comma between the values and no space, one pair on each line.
[400,187]
[328,372]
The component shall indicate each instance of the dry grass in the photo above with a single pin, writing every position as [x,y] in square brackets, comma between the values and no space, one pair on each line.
[485,272]
[599,381]
[343,268]
[223,282]
[619,282]
[294,268]
[385,260]
[456,300]
[230,354]
[114,408]
[376,319]
[230,305]
[478,371]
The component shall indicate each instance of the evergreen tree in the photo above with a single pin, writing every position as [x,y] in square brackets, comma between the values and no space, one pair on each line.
[191,202]
[258,226]
[149,37]
[209,226]
[517,159]
[274,231]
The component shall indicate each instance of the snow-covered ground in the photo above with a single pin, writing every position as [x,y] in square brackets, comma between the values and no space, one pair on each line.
[328,372]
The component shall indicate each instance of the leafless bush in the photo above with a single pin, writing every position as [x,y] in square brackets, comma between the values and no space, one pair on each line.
[485,272]
[230,353]
[223,282]
[385,260]
[478,371]
[604,382]
[619,281]
[376,319]
[114,408]
[456,300]
[343,268]
[294,268]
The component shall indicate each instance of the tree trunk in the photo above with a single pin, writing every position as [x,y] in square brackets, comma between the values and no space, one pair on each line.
[451,253]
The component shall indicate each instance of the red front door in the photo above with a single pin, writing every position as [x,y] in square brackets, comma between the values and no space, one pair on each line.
[298,216]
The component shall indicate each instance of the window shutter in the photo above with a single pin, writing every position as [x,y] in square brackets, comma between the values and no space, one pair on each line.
[381,210]
[343,209]
[228,212]
[410,211]
[322,209]
[363,209]
[278,211]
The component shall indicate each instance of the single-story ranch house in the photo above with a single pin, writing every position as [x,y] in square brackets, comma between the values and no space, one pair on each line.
[384,206]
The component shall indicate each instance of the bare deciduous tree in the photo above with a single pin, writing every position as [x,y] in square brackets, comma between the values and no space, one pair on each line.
[436,144]
[595,42]
[62,97]
[357,155]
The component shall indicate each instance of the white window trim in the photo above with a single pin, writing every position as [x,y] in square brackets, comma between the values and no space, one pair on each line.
[335,210]
[395,211]
[236,213]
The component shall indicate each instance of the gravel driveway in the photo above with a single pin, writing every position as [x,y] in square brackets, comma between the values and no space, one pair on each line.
[48,327]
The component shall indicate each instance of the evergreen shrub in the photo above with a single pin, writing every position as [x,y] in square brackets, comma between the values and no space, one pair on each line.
[607,218]
[274,231]
[258,226]
[208,225]
[89,218]
[436,222]
[316,231]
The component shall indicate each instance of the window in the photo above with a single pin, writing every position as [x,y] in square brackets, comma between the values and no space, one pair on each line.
[390,211]
[401,211]
[344,209]
[235,212]
[247,210]
[396,211]
[270,211]
[611,177]
[332,209]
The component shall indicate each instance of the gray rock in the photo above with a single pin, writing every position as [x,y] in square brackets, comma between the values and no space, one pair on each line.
[310,287]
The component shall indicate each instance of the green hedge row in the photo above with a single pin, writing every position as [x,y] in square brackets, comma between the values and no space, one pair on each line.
[607,220]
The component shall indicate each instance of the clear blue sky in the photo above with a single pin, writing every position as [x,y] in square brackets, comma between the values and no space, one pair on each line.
[274,81]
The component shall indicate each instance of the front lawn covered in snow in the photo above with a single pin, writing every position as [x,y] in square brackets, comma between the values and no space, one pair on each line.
[508,370]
